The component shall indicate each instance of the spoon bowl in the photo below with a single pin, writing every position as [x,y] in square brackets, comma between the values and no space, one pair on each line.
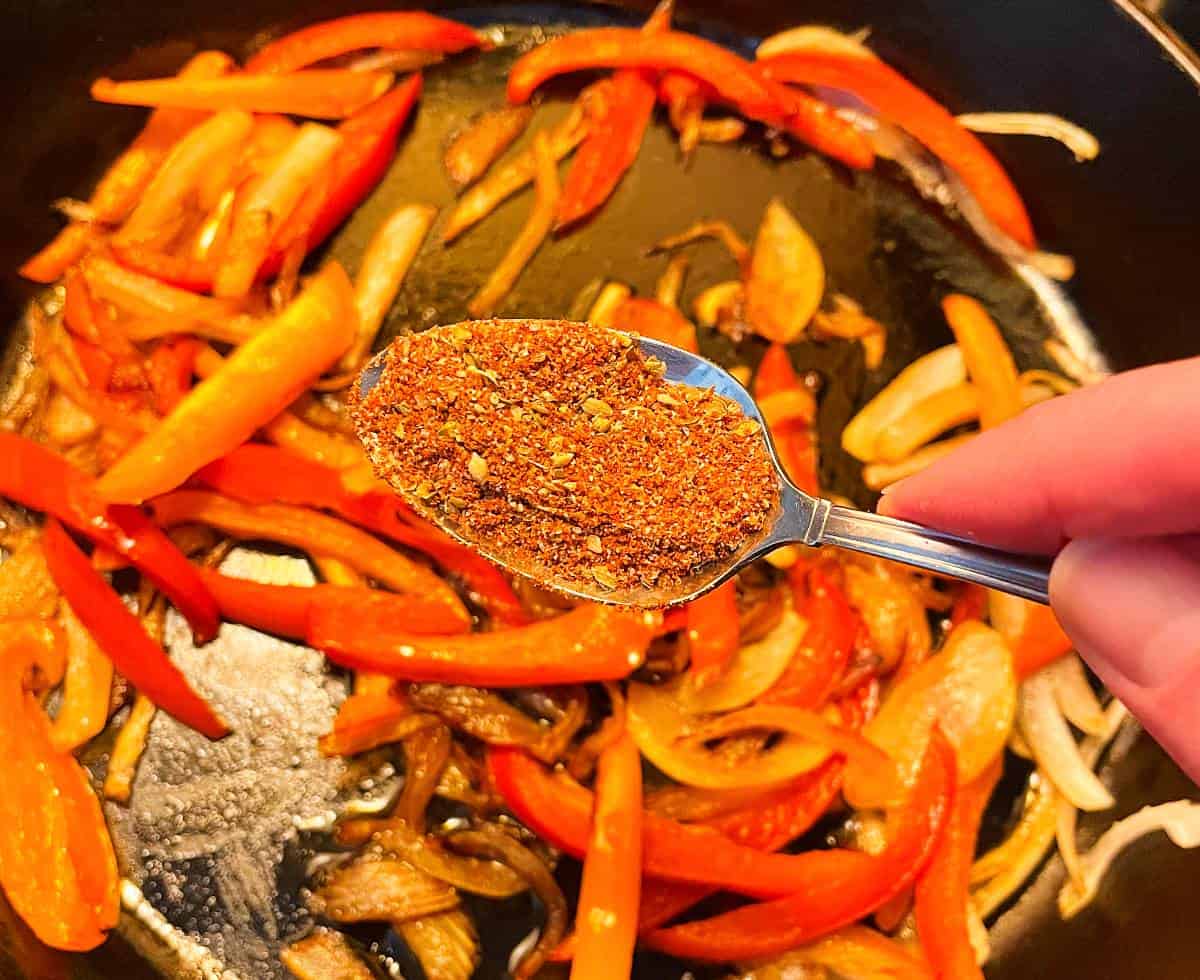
[796,518]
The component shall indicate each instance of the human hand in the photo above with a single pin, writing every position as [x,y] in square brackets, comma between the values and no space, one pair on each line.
[1108,478]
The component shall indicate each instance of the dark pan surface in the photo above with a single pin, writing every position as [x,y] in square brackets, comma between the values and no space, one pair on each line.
[1129,219]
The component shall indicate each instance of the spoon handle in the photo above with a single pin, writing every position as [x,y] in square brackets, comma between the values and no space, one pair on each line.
[1027,576]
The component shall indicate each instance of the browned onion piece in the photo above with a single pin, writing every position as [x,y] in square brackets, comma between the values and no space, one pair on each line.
[583,759]
[377,889]
[689,803]
[425,753]
[446,944]
[477,147]
[323,954]
[492,842]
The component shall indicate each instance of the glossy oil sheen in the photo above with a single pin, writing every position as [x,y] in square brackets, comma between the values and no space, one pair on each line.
[1129,219]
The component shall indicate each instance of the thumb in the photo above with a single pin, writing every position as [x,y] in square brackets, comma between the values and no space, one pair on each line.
[1133,609]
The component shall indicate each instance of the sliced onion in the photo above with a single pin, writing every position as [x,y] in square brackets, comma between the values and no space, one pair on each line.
[661,725]
[1179,819]
[717,301]
[943,368]
[1073,363]
[874,774]
[446,945]
[892,613]
[473,150]
[977,933]
[371,889]
[969,689]
[927,419]
[853,952]
[1054,746]
[816,39]
[480,876]
[322,954]
[1075,138]
[879,475]
[786,280]
[1075,695]
[607,302]
[1003,870]
[721,231]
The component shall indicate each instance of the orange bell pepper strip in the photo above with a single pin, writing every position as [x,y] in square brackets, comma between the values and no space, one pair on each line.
[87,690]
[943,890]
[255,383]
[625,104]
[39,479]
[264,474]
[733,80]
[892,95]
[119,634]
[712,630]
[844,890]
[1042,641]
[793,438]
[408,30]
[590,643]
[814,672]
[284,609]
[313,93]
[314,532]
[57,865]
[650,318]
[606,921]
[64,250]
[169,370]
[559,810]
[990,363]
[366,721]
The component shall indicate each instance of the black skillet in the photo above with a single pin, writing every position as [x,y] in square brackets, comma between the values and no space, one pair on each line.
[1128,218]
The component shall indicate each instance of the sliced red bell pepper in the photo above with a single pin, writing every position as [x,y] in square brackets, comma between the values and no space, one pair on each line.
[842,893]
[943,891]
[119,634]
[558,809]
[35,477]
[793,439]
[169,370]
[610,147]
[57,866]
[650,318]
[285,609]
[606,920]
[814,672]
[590,643]
[181,271]
[895,97]
[264,474]
[97,365]
[712,629]
[733,79]
[408,30]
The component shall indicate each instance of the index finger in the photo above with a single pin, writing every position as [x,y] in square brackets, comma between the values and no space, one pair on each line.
[1118,459]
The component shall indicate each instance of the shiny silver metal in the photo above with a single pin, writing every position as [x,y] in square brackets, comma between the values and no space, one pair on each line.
[799,518]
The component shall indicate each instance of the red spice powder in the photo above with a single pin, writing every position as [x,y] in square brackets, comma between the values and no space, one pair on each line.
[559,448]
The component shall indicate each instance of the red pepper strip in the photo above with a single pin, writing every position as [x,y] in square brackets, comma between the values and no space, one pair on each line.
[169,371]
[264,474]
[971,603]
[610,147]
[395,31]
[590,643]
[285,609]
[655,320]
[1042,641]
[674,620]
[894,96]
[97,365]
[793,439]
[943,891]
[119,634]
[181,271]
[818,666]
[558,809]
[606,922]
[57,866]
[712,629]
[734,80]
[841,892]
[40,480]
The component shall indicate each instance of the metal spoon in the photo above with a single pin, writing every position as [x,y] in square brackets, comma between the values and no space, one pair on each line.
[799,518]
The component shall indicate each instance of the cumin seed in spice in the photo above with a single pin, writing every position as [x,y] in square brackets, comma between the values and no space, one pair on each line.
[558,446]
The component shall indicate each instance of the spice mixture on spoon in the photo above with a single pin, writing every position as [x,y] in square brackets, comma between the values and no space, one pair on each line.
[560,446]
